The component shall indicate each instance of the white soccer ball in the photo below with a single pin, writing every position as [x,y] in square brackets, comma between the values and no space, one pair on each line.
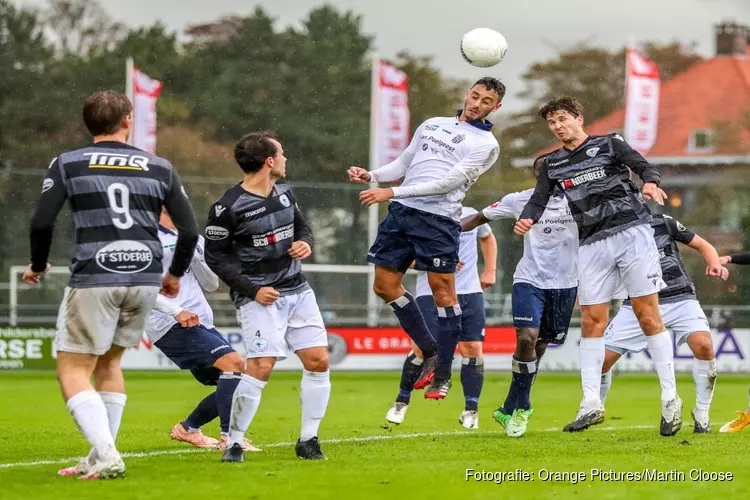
[483,47]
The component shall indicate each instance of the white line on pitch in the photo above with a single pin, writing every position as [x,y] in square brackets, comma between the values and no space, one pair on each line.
[363,439]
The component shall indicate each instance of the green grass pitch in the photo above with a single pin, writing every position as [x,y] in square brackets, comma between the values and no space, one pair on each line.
[426,457]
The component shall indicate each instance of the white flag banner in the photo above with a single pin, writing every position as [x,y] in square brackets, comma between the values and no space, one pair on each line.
[641,102]
[146,91]
[392,113]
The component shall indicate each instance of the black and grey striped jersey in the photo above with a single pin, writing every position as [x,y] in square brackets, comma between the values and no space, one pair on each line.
[595,178]
[667,232]
[248,238]
[116,193]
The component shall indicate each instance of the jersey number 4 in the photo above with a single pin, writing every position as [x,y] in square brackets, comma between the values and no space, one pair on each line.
[120,206]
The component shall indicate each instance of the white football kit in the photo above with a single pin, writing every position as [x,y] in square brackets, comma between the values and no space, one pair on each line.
[190,297]
[445,157]
[550,248]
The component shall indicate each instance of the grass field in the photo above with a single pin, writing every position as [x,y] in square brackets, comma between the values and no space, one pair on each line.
[426,457]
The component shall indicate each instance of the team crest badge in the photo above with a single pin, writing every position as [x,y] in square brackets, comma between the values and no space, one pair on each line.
[592,152]
[458,139]
[259,345]
[284,200]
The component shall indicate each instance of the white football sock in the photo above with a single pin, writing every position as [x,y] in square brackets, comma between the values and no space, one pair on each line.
[245,404]
[591,352]
[89,412]
[606,384]
[704,374]
[115,404]
[314,392]
[662,354]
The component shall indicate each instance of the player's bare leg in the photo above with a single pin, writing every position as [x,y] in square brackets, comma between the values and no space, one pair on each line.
[315,391]
[704,375]
[660,348]
[591,352]
[388,286]
[472,380]
[85,404]
[245,405]
[443,287]
[409,374]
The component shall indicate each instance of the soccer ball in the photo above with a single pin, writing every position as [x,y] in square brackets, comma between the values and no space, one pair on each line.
[483,47]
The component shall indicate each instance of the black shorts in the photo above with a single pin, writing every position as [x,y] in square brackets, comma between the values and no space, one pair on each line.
[409,235]
[195,349]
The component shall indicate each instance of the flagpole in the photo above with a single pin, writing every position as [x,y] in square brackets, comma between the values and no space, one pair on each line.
[372,211]
[130,91]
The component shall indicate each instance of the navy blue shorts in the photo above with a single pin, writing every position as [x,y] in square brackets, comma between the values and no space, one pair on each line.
[472,316]
[547,310]
[409,235]
[195,349]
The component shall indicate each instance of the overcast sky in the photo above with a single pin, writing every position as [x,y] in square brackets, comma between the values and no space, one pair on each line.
[535,29]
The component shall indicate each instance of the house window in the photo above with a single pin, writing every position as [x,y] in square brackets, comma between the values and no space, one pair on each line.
[701,141]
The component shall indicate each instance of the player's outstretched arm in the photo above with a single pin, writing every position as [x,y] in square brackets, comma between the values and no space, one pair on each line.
[741,259]
[688,237]
[473,221]
[220,255]
[537,203]
[638,164]
[473,165]
[43,222]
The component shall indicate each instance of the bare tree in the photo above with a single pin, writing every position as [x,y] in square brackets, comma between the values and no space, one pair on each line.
[81,26]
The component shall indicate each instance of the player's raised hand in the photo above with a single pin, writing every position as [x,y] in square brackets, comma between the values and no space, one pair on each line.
[266,296]
[300,250]
[359,175]
[717,271]
[377,195]
[652,192]
[187,319]
[724,260]
[170,286]
[523,226]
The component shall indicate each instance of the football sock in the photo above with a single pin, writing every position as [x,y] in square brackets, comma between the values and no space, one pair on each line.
[449,331]
[412,321]
[245,404]
[591,353]
[202,414]
[704,374]
[472,379]
[409,374]
[661,351]
[225,388]
[89,412]
[606,383]
[519,395]
[314,392]
[115,404]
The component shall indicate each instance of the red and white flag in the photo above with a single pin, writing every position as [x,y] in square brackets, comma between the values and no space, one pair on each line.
[641,102]
[391,113]
[146,91]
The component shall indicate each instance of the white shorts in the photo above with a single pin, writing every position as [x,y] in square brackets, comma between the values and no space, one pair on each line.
[624,264]
[293,320]
[92,320]
[624,333]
